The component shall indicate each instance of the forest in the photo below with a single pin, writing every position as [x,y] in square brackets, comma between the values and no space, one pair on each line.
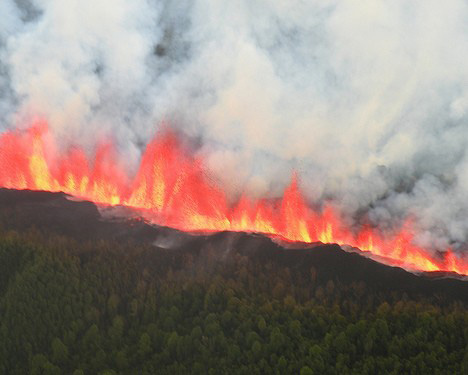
[112,307]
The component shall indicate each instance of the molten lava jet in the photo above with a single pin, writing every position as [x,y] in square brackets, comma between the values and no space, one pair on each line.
[172,187]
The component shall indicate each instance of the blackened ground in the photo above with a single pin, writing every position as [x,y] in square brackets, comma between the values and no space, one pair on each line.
[56,213]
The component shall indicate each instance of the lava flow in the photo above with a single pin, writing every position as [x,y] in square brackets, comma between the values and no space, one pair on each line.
[172,187]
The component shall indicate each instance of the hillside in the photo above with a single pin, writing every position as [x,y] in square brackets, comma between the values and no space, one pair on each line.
[84,294]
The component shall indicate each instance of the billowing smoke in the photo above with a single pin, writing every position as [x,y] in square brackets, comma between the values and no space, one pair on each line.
[368,101]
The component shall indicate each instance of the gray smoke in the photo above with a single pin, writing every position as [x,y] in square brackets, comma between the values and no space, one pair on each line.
[367,100]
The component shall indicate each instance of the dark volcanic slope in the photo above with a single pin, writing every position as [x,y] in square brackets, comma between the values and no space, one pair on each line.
[53,212]
[23,209]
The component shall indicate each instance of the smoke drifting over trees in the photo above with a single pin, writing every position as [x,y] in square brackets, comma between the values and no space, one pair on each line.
[368,101]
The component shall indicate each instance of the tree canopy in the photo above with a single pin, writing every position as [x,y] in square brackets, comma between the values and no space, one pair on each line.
[70,307]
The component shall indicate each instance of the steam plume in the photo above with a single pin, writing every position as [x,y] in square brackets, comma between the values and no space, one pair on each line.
[368,101]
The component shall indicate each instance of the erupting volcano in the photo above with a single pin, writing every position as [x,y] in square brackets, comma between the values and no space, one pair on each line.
[172,188]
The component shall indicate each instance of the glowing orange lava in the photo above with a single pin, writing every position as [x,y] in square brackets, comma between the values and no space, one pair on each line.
[171,186]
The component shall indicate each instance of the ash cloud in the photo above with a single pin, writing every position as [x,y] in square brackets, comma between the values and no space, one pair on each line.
[368,101]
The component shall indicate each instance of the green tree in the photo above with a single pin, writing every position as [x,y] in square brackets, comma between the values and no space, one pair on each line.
[144,345]
[306,370]
[59,351]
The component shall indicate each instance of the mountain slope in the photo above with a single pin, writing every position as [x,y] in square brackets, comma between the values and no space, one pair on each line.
[56,213]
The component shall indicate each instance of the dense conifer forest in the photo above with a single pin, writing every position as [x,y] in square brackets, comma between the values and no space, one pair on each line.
[108,307]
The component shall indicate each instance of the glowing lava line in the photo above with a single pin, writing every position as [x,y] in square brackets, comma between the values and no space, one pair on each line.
[171,185]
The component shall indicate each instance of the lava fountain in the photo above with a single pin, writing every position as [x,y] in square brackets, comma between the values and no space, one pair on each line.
[172,187]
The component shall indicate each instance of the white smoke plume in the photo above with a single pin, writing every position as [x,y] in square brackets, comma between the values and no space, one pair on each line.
[367,100]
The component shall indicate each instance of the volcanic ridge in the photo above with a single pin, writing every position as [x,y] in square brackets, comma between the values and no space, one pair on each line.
[85,221]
